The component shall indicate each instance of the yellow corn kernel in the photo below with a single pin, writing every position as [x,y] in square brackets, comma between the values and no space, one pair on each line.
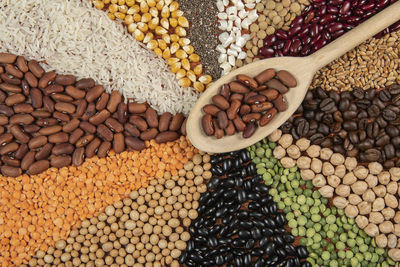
[151,3]
[144,8]
[184,42]
[173,6]
[139,35]
[111,16]
[132,27]
[166,38]
[180,74]
[173,22]
[130,2]
[198,86]
[183,22]
[158,51]
[166,54]
[123,9]
[164,22]
[198,70]
[189,49]
[98,4]
[180,31]
[186,64]
[206,79]
[146,17]
[143,27]
[114,1]
[165,12]
[149,36]
[184,82]
[175,67]
[133,10]
[181,54]
[121,2]
[128,19]
[194,58]
[152,44]
[160,30]
[119,15]
[137,17]
[174,38]
[162,44]
[177,13]
[153,11]
[153,23]
[106,1]
[167,2]
[113,8]
[172,60]
[174,47]
[190,74]
[160,5]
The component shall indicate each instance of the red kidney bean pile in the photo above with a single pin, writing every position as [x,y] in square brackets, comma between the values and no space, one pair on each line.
[362,124]
[320,23]
[244,104]
[48,119]
[239,223]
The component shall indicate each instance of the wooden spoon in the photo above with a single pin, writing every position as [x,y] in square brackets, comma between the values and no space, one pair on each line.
[303,68]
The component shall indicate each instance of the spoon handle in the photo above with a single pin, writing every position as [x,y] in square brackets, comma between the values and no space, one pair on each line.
[356,36]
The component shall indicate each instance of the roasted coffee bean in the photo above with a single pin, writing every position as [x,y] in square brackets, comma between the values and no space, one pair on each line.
[327,105]
[372,155]
[389,114]
[317,138]
[384,95]
[381,121]
[362,123]
[374,111]
[320,93]
[370,94]
[379,103]
[392,131]
[366,144]
[363,103]
[344,104]
[389,151]
[350,125]
[382,140]
[358,92]
[302,128]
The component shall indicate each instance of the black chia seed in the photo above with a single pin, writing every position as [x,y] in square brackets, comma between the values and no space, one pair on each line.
[203,32]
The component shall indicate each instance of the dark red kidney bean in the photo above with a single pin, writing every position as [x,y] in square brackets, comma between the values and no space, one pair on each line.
[48,104]
[131,129]
[18,134]
[100,117]
[37,141]
[321,43]
[337,34]
[13,71]
[50,130]
[47,122]
[222,119]
[256,99]
[334,27]
[286,47]
[332,10]
[303,34]
[104,132]
[122,112]
[327,19]
[3,120]
[266,52]
[279,45]
[83,141]
[251,117]
[183,128]
[31,129]
[28,160]
[271,94]
[60,161]
[165,119]
[58,138]
[90,111]
[44,152]
[11,88]
[151,117]
[21,119]
[211,109]
[75,135]
[176,122]
[41,113]
[87,127]
[233,110]
[314,30]
[135,143]
[7,58]
[225,91]
[261,107]
[92,147]
[270,40]
[21,64]
[81,108]
[85,83]
[268,116]
[221,102]
[139,122]
[65,80]
[237,87]
[296,46]
[93,93]
[5,138]
[7,160]
[230,130]
[137,108]
[12,147]
[35,68]
[246,80]
[298,20]
[286,78]
[102,102]
[249,130]
[280,104]
[244,109]
[53,89]
[6,110]
[119,143]
[78,156]
[382,3]
[36,98]
[207,125]
[21,151]
[114,125]
[62,98]
[149,134]
[8,80]
[294,30]
[64,148]
[46,79]
[368,6]
[65,107]
[75,92]
[103,149]
[239,124]
[71,125]
[113,102]
[10,171]
[31,79]
[281,34]
[236,96]
[218,132]
[321,11]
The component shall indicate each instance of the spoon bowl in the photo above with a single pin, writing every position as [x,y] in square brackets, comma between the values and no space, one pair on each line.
[302,68]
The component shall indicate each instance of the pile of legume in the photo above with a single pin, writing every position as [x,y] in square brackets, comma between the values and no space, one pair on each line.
[331,238]
[161,26]
[38,210]
[238,223]
[148,228]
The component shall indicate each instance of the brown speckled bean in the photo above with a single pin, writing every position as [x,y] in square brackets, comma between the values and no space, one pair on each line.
[60,161]
[38,167]
[135,143]
[103,149]
[119,143]
[78,156]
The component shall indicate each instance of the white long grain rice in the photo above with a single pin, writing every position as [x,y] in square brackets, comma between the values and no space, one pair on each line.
[75,38]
